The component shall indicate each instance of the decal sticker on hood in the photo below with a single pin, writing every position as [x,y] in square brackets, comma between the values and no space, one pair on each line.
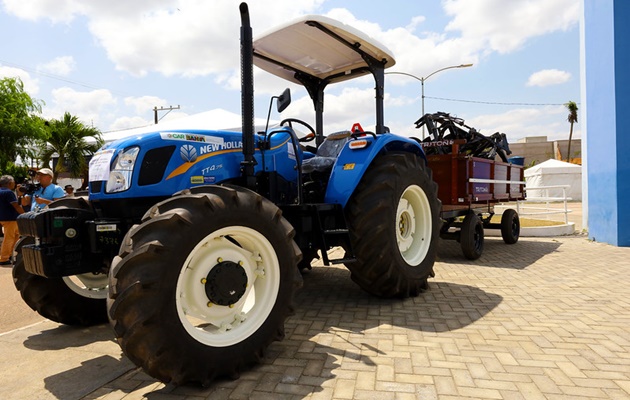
[191,137]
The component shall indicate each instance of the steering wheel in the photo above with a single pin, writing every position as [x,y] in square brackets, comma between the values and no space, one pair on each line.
[309,137]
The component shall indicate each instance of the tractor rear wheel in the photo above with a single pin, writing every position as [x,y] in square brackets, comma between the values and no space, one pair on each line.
[203,286]
[394,221]
[71,300]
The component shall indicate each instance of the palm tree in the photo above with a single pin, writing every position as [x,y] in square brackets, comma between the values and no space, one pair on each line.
[572,118]
[67,139]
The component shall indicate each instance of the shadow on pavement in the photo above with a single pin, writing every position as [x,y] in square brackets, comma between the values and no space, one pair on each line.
[497,254]
[78,382]
[337,320]
[63,337]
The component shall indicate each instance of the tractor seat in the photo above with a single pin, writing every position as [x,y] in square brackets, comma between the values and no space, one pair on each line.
[327,153]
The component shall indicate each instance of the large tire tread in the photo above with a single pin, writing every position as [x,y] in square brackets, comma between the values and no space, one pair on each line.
[380,269]
[52,298]
[142,305]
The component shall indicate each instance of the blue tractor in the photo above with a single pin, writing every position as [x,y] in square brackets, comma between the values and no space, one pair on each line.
[192,242]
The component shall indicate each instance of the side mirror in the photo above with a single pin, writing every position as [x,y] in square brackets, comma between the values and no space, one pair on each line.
[284,100]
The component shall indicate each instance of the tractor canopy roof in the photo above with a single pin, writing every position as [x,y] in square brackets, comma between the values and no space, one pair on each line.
[318,47]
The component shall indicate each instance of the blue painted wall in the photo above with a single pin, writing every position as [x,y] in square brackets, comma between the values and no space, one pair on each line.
[607,92]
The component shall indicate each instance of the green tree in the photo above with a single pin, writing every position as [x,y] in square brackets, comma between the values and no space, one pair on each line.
[68,140]
[572,118]
[20,126]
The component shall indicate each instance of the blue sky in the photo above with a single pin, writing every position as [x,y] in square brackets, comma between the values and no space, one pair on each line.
[111,62]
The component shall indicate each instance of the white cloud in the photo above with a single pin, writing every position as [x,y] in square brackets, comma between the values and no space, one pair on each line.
[518,123]
[89,107]
[145,104]
[348,106]
[59,66]
[173,37]
[62,11]
[504,26]
[124,123]
[548,77]
[195,37]
[415,21]
[412,51]
[31,85]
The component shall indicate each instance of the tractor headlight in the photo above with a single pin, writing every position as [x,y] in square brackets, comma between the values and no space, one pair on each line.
[122,171]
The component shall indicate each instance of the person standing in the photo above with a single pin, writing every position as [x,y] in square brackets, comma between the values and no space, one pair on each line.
[69,190]
[47,193]
[9,210]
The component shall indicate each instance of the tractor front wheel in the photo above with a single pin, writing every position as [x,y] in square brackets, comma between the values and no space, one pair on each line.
[71,300]
[204,284]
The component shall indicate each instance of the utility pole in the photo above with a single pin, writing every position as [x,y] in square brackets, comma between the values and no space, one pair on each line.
[169,109]
[422,79]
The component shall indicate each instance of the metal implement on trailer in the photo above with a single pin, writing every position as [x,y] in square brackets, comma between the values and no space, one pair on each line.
[470,181]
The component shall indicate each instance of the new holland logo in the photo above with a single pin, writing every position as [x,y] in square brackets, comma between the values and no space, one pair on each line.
[188,153]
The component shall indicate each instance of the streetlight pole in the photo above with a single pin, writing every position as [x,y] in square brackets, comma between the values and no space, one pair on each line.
[422,79]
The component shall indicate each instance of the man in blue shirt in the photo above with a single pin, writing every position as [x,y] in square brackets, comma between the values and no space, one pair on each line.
[46,193]
[9,210]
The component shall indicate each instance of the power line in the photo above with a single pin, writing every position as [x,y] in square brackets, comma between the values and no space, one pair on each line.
[496,103]
[90,86]
[61,78]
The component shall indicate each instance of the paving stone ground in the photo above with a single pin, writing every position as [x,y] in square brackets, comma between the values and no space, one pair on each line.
[547,318]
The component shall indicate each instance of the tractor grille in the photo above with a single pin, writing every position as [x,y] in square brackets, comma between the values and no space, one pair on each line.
[154,164]
[95,187]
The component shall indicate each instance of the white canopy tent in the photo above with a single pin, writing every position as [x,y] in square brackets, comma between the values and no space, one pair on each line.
[554,173]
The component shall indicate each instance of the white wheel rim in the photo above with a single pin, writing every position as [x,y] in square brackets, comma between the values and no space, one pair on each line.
[93,286]
[217,325]
[413,225]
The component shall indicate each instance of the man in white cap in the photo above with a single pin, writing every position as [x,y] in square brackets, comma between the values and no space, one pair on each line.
[46,193]
[69,189]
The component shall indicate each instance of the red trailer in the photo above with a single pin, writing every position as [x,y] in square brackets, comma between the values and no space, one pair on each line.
[469,187]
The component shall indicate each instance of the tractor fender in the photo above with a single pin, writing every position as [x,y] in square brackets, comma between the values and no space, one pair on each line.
[352,163]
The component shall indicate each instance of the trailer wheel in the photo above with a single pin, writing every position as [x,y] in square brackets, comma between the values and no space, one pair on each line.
[510,226]
[203,286]
[71,300]
[471,236]
[394,224]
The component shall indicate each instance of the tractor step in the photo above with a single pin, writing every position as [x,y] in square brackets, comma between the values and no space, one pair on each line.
[332,225]
[343,260]
[336,232]
[325,226]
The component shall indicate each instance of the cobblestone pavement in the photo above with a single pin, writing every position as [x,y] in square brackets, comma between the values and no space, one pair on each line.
[542,319]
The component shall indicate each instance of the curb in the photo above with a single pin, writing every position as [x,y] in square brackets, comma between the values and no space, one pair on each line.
[540,231]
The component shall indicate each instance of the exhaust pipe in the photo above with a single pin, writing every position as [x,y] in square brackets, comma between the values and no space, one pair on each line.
[247,98]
